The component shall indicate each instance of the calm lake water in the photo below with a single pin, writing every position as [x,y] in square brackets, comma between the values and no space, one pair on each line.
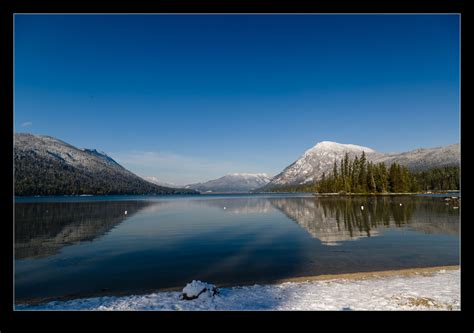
[83,246]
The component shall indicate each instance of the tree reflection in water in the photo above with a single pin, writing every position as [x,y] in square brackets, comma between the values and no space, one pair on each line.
[42,229]
[335,219]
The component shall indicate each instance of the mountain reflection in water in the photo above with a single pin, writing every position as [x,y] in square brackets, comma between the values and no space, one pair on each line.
[333,220]
[42,229]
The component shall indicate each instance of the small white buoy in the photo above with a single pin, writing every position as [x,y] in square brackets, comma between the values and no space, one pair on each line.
[400,204]
[362,207]
[125,212]
[225,207]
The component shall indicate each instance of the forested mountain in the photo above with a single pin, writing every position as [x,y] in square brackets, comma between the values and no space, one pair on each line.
[47,166]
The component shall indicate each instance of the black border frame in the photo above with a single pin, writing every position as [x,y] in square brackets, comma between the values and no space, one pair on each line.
[64,321]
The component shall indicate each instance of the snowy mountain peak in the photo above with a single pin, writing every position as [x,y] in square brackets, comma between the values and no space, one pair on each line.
[316,161]
[335,146]
[249,175]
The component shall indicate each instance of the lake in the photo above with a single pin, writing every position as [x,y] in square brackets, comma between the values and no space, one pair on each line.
[83,246]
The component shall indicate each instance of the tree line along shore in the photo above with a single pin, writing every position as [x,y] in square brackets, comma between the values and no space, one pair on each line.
[358,176]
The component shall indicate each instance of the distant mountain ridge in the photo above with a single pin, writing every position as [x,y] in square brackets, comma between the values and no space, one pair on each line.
[233,183]
[155,180]
[422,159]
[48,166]
[310,166]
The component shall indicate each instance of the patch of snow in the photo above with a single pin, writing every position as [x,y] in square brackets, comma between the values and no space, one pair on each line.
[436,291]
[335,146]
[197,289]
[249,175]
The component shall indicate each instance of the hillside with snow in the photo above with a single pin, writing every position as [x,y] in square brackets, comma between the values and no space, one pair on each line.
[316,161]
[47,166]
[423,158]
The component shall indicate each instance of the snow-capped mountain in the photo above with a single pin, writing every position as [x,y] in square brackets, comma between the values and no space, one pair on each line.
[233,183]
[47,166]
[315,161]
[320,159]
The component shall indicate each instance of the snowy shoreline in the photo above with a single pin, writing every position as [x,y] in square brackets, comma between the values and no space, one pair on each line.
[436,289]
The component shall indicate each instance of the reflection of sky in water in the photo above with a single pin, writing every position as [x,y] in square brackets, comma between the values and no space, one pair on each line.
[92,247]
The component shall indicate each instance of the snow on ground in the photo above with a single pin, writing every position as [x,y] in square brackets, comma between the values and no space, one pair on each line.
[437,291]
[196,288]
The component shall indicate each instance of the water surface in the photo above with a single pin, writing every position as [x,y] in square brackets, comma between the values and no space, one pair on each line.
[76,247]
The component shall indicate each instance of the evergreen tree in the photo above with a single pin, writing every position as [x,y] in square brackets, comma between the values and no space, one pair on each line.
[405,183]
[362,173]
[335,176]
[372,187]
[384,183]
[355,175]
[439,179]
[394,178]
[346,164]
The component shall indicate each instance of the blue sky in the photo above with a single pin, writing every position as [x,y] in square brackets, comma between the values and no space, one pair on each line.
[188,98]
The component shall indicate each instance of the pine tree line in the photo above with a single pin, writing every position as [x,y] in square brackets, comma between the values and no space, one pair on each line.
[361,176]
[439,179]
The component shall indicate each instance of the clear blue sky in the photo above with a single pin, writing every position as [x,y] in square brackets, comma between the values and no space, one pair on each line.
[189,98]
